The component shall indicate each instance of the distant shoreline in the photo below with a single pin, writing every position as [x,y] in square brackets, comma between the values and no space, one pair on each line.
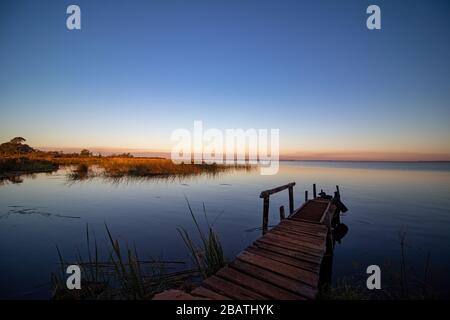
[373,161]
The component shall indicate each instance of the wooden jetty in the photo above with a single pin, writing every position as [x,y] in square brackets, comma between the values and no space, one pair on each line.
[285,263]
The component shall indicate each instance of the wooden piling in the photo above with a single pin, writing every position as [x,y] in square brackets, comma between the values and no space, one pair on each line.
[291,200]
[282,215]
[314,191]
[265,224]
[306,195]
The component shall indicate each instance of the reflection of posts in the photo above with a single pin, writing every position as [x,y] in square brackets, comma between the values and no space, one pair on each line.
[336,233]
[326,270]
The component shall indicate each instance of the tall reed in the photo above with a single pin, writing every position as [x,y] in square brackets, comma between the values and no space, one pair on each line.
[121,275]
[209,256]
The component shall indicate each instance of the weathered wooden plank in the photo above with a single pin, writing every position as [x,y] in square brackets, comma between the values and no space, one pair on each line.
[206,293]
[305,251]
[230,289]
[262,287]
[297,287]
[289,241]
[313,226]
[302,264]
[288,252]
[316,228]
[295,239]
[317,241]
[286,270]
[313,211]
[308,218]
[308,236]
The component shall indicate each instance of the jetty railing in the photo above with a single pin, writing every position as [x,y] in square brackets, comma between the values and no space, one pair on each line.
[265,195]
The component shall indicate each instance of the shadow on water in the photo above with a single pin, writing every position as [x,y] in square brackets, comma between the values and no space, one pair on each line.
[339,231]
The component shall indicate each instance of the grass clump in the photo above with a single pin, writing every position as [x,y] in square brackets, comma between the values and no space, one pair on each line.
[208,257]
[120,275]
[17,158]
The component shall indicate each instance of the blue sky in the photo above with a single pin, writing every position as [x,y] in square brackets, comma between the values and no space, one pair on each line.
[140,69]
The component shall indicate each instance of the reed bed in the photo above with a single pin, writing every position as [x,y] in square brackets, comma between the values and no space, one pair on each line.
[120,274]
[112,167]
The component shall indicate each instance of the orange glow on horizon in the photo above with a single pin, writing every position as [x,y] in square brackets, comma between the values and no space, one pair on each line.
[306,155]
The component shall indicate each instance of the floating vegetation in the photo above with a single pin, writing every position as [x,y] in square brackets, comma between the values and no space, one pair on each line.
[33,211]
[80,173]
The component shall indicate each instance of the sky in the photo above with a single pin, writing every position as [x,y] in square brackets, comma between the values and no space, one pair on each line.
[138,70]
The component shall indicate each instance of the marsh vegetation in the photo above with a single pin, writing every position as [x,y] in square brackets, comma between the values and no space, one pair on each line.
[121,273]
[17,159]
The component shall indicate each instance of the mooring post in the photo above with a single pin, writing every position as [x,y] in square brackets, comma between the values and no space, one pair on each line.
[337,196]
[291,199]
[306,195]
[337,189]
[282,215]
[265,225]
[314,191]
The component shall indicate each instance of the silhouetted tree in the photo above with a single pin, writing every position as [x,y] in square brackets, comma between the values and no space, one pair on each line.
[85,153]
[17,140]
[15,146]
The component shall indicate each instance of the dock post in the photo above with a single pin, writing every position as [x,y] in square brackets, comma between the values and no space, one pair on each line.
[265,224]
[306,195]
[282,215]
[291,200]
[314,191]
[337,189]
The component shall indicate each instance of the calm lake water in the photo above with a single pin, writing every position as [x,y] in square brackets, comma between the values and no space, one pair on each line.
[383,200]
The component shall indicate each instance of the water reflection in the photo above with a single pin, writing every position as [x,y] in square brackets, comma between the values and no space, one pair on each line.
[148,211]
[340,232]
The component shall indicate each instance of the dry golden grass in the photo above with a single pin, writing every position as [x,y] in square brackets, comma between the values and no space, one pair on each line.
[112,167]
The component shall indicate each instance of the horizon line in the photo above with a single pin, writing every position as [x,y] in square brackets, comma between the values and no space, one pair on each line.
[355,156]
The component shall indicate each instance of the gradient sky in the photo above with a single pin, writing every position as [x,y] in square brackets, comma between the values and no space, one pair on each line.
[140,69]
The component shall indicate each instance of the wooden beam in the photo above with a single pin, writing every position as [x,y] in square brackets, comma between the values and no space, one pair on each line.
[275,190]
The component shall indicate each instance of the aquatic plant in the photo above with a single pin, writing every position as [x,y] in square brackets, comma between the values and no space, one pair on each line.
[209,256]
[120,275]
